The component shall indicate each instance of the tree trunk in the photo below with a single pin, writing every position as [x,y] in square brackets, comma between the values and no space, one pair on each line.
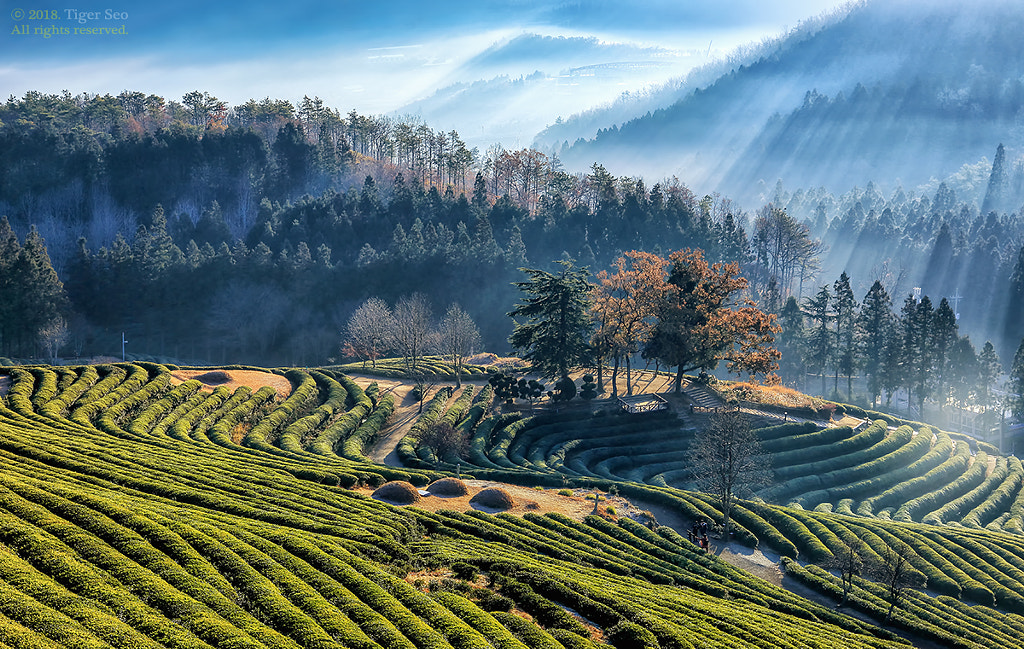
[600,375]
[679,380]
[629,377]
[615,377]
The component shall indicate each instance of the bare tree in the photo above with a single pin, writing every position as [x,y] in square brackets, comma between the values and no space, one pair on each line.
[368,331]
[54,335]
[849,562]
[457,338]
[727,462]
[784,248]
[411,328]
[447,442]
[897,575]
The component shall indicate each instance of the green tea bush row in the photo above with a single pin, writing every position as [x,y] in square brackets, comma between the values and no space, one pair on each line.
[304,394]
[19,395]
[179,423]
[331,438]
[954,508]
[913,485]
[143,422]
[871,476]
[56,558]
[1000,498]
[348,572]
[111,377]
[895,450]
[187,429]
[111,418]
[453,415]
[497,635]
[58,406]
[88,409]
[365,435]
[134,547]
[881,483]
[309,613]
[529,634]
[866,445]
[808,438]
[296,434]
[46,386]
[950,491]
[431,413]
[220,432]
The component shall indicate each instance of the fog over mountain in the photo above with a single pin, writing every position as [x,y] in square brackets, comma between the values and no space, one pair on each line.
[529,81]
[895,92]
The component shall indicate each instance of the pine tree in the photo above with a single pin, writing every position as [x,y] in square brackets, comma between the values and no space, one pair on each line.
[845,306]
[554,336]
[35,292]
[995,193]
[875,329]
[792,339]
[918,351]
[10,250]
[1015,387]
[944,335]
[820,337]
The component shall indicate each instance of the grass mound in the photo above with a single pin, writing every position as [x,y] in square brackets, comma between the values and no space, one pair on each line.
[397,492]
[448,487]
[493,498]
[216,377]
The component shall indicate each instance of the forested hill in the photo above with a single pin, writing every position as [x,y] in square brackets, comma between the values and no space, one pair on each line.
[252,232]
[892,91]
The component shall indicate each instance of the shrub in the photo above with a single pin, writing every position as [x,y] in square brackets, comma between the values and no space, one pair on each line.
[630,635]
[448,487]
[494,498]
[399,493]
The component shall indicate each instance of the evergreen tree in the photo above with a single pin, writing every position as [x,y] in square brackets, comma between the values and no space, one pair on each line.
[555,333]
[918,351]
[944,335]
[820,337]
[845,306]
[10,250]
[875,330]
[792,340]
[989,370]
[995,193]
[1013,323]
[1015,387]
[34,294]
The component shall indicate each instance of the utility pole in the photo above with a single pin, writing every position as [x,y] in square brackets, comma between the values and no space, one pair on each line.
[123,343]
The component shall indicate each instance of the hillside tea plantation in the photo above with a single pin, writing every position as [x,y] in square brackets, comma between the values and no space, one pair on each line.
[137,510]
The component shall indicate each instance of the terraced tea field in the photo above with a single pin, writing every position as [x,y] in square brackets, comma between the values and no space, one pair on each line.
[136,511]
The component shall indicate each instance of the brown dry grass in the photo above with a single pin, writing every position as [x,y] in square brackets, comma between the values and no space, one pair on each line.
[528,500]
[253,379]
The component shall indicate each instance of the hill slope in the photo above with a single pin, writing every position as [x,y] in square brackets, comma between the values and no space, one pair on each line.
[890,91]
[131,516]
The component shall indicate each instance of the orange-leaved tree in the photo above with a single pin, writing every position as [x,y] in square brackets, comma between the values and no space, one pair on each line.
[624,305]
[701,320]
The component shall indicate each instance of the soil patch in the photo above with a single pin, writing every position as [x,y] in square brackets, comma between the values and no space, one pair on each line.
[233,379]
[5,384]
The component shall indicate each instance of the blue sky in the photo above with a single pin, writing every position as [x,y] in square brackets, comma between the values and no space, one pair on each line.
[373,57]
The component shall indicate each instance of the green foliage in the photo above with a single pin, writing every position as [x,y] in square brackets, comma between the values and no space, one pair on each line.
[554,335]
